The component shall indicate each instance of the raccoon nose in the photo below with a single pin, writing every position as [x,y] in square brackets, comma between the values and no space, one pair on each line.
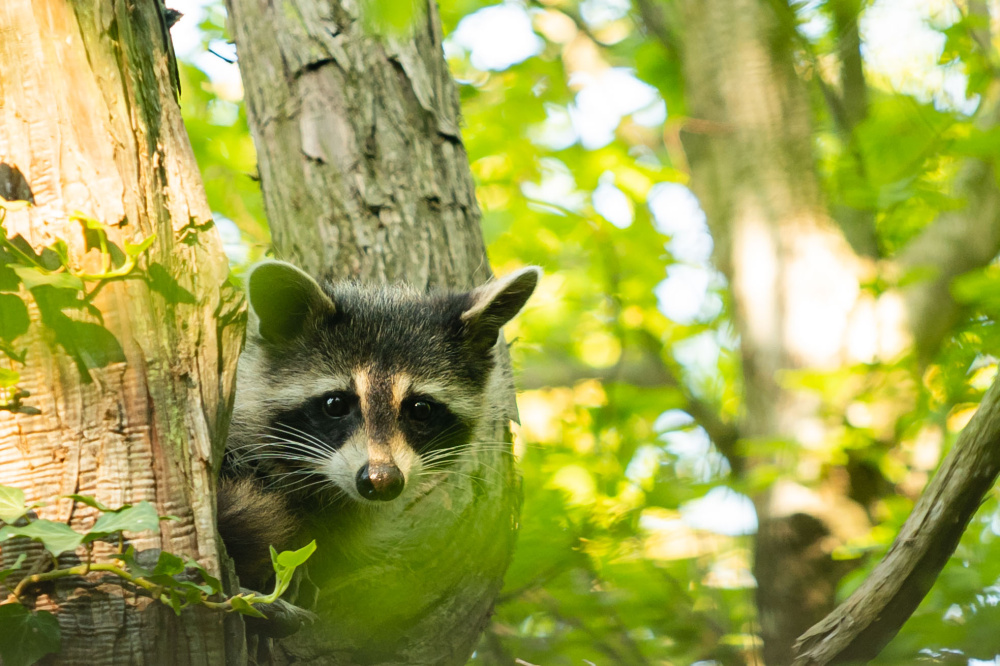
[380,482]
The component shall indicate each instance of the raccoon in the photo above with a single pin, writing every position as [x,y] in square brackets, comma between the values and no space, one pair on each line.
[345,395]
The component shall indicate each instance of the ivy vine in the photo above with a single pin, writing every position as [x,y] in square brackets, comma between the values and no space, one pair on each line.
[26,635]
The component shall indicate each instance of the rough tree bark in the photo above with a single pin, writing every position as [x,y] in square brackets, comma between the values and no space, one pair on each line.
[796,279]
[364,176]
[89,122]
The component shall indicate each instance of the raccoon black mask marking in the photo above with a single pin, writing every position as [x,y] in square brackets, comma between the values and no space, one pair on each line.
[346,393]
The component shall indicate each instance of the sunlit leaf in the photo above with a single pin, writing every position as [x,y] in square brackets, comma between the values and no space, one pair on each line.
[137,518]
[58,538]
[12,504]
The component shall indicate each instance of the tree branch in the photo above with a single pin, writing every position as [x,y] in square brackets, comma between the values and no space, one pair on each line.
[860,627]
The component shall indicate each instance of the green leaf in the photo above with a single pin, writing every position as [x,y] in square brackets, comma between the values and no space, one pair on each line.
[294,558]
[168,564]
[87,221]
[13,316]
[134,250]
[12,504]
[241,606]
[35,277]
[138,518]
[26,637]
[58,538]
[285,564]
[128,558]
[17,565]
[89,501]
[97,346]
[9,378]
[214,583]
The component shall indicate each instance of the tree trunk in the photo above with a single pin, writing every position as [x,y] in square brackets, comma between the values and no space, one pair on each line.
[793,276]
[364,176]
[796,281]
[89,122]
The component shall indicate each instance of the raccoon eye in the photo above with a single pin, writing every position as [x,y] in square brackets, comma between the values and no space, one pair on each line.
[336,406]
[420,410]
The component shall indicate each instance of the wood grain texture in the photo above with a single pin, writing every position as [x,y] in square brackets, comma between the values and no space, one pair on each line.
[364,176]
[88,116]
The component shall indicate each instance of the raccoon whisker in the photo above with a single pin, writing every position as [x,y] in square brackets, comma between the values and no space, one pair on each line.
[300,484]
[305,447]
[290,458]
[294,445]
[444,473]
[308,471]
[286,429]
[451,470]
[282,448]
[444,435]
[458,453]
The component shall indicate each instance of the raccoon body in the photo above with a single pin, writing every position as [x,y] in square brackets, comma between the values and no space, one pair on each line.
[351,402]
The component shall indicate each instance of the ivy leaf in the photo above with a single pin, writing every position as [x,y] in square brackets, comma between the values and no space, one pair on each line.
[293,558]
[87,221]
[97,346]
[138,518]
[17,565]
[168,564]
[134,250]
[241,606]
[89,501]
[128,558]
[9,378]
[35,277]
[13,316]
[214,583]
[26,637]
[285,564]
[12,504]
[58,538]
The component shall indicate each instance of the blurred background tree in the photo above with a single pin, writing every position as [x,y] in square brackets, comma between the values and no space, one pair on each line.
[782,374]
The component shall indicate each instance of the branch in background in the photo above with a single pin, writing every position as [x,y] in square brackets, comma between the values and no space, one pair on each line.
[957,242]
[860,627]
[643,368]
[854,89]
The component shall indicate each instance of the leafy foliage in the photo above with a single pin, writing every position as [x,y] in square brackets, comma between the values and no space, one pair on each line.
[64,303]
[26,635]
[630,550]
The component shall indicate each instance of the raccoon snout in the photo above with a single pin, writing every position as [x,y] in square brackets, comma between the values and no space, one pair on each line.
[382,482]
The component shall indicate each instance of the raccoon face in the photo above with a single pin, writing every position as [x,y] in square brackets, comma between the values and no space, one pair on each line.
[358,390]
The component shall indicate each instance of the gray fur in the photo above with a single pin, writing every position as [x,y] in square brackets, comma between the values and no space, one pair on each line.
[313,349]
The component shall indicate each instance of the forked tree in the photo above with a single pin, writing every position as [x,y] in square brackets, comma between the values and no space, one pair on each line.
[131,332]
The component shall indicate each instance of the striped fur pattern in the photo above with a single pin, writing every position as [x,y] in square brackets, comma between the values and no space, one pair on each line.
[347,395]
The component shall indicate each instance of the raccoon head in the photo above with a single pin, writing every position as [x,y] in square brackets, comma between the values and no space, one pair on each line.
[356,389]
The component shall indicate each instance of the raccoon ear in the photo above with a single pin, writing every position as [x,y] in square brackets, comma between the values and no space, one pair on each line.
[495,303]
[283,296]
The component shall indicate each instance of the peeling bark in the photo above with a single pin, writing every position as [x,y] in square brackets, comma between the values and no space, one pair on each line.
[89,122]
[364,176]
